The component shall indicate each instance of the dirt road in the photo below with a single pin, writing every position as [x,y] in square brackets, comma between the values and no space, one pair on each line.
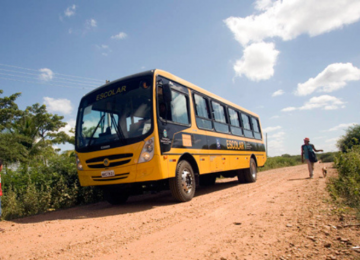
[281,216]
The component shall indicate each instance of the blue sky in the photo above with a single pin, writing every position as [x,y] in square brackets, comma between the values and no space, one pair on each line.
[295,63]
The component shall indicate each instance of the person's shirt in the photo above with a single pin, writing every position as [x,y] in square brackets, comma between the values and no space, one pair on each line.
[306,149]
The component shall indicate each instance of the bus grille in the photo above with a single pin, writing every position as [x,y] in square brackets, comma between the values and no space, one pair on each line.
[98,166]
[98,162]
[114,178]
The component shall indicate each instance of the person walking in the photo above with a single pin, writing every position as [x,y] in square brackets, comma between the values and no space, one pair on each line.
[306,149]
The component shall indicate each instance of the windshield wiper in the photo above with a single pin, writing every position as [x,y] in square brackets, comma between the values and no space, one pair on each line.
[118,130]
[92,135]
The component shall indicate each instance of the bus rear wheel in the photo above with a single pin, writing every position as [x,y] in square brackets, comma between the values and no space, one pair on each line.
[183,186]
[116,198]
[248,175]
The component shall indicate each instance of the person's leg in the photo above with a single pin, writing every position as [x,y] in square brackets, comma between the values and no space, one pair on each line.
[310,168]
[313,168]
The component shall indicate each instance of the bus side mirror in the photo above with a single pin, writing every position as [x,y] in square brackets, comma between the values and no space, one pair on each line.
[166,93]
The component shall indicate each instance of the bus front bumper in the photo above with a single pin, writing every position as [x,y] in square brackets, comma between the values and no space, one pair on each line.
[141,172]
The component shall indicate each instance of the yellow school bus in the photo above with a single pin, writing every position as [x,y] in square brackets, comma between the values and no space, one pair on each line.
[153,131]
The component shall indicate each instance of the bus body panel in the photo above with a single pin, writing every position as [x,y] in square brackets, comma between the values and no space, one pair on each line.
[212,151]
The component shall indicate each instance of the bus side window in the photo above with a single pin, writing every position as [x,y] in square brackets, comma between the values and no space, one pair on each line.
[246,125]
[179,108]
[175,110]
[203,119]
[163,107]
[234,122]
[256,128]
[219,118]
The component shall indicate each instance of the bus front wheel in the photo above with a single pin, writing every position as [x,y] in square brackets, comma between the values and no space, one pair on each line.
[183,185]
[248,175]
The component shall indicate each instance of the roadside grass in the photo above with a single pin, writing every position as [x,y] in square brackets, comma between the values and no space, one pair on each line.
[287,160]
[345,189]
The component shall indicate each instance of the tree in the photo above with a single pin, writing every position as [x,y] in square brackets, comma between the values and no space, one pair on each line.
[351,138]
[9,110]
[28,134]
[12,149]
[46,124]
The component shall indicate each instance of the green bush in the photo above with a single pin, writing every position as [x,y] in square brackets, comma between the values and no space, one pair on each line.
[327,157]
[346,188]
[39,187]
[350,139]
[281,161]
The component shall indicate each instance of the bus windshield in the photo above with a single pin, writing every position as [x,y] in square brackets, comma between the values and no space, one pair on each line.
[118,114]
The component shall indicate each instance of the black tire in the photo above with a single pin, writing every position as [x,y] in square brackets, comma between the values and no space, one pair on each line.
[116,198]
[207,179]
[183,186]
[240,175]
[248,175]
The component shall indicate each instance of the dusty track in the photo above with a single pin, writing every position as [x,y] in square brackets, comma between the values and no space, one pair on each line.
[281,216]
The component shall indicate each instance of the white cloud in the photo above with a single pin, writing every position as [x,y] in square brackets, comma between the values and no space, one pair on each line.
[288,109]
[258,61]
[276,143]
[324,102]
[262,5]
[58,105]
[69,125]
[105,50]
[332,140]
[70,11]
[270,129]
[46,74]
[119,36]
[278,93]
[288,19]
[91,23]
[341,126]
[333,77]
[274,117]
[277,135]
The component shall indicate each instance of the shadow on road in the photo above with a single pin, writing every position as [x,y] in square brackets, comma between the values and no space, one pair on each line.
[299,179]
[307,178]
[135,204]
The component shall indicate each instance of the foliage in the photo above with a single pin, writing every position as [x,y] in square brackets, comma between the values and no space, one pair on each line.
[44,187]
[327,157]
[346,188]
[12,148]
[281,161]
[351,138]
[43,179]
[287,160]
[8,110]
[28,135]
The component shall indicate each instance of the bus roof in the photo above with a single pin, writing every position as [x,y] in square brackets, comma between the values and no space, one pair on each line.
[179,80]
[201,90]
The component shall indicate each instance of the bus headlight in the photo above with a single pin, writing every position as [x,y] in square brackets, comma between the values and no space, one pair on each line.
[78,163]
[147,152]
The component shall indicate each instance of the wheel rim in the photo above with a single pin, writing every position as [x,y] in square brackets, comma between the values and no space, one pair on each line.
[187,181]
[253,170]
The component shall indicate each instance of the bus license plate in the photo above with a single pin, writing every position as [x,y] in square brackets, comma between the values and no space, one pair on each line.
[110,173]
